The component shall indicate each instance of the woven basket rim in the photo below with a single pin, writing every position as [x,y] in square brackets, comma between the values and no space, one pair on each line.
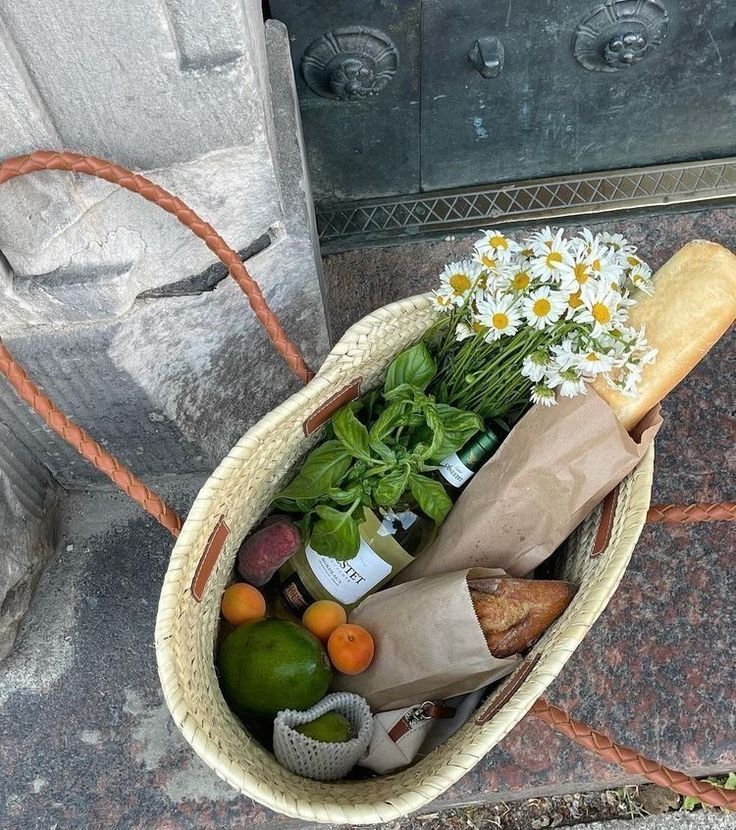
[330,803]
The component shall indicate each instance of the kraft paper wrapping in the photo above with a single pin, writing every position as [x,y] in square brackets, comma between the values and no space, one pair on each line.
[554,467]
[429,643]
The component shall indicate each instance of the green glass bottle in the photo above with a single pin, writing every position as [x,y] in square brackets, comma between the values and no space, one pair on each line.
[457,469]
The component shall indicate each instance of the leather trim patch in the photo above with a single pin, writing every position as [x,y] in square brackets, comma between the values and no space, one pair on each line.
[603,535]
[512,687]
[331,405]
[209,557]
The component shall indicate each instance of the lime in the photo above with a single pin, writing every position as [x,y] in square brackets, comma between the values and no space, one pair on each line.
[269,665]
[332,728]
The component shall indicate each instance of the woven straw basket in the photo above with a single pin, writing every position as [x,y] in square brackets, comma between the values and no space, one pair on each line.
[238,494]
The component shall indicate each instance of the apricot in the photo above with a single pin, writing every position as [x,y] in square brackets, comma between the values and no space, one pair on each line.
[350,648]
[241,603]
[323,617]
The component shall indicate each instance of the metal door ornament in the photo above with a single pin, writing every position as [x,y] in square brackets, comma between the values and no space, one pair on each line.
[350,64]
[619,33]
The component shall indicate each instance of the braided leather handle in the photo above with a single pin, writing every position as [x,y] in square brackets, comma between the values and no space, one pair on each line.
[701,512]
[85,445]
[12,168]
[631,760]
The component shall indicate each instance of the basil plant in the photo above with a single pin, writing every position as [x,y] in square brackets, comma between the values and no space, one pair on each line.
[377,454]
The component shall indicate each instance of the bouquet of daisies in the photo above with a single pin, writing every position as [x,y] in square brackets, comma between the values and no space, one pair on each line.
[524,320]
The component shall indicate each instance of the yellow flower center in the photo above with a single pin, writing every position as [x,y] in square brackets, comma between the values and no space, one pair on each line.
[542,307]
[614,286]
[500,320]
[527,252]
[592,357]
[596,265]
[581,273]
[633,261]
[554,258]
[574,300]
[478,327]
[460,283]
[499,242]
[488,261]
[520,281]
[601,313]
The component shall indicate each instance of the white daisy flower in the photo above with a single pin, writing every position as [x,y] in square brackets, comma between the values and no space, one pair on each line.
[600,307]
[543,395]
[497,244]
[579,268]
[603,265]
[534,366]
[551,256]
[566,353]
[442,300]
[544,307]
[500,315]
[517,278]
[593,362]
[569,381]
[618,243]
[639,278]
[463,331]
[458,278]
[541,242]
[574,302]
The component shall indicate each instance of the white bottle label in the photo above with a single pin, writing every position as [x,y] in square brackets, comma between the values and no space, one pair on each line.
[350,580]
[453,470]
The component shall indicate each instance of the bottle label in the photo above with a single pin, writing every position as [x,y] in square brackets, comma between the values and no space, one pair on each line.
[350,580]
[454,471]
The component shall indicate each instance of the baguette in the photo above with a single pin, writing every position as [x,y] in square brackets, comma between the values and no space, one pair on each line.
[693,305]
[513,613]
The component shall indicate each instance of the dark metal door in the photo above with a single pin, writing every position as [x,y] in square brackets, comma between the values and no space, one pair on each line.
[506,89]
[573,86]
[357,67]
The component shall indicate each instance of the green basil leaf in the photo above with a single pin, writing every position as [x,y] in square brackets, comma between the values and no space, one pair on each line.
[352,434]
[436,425]
[335,534]
[414,366]
[391,487]
[389,419]
[294,505]
[458,428]
[430,496]
[323,468]
[384,452]
[402,392]
[345,496]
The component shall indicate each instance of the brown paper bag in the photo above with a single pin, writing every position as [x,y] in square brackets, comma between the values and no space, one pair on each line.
[554,467]
[429,644]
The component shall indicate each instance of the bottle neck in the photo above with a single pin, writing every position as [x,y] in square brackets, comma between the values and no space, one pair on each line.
[461,466]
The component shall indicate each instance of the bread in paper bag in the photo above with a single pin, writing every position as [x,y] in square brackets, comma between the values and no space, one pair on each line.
[554,467]
[429,643]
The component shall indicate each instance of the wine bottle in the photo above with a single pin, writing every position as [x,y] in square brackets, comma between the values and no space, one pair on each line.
[457,469]
[389,540]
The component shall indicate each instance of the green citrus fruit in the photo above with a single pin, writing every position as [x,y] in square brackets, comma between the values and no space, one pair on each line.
[270,665]
[332,728]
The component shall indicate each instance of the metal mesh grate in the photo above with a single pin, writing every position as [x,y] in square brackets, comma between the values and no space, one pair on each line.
[343,224]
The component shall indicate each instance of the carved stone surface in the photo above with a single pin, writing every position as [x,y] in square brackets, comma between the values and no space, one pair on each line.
[350,64]
[619,33]
[27,518]
[88,270]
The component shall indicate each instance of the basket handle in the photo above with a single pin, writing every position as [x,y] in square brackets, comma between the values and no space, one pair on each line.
[13,168]
[631,760]
[624,756]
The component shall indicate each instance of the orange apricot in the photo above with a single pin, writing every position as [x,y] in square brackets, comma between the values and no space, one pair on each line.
[241,603]
[323,617]
[350,648]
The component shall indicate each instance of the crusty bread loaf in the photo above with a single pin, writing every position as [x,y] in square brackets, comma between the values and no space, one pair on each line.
[693,305]
[513,613]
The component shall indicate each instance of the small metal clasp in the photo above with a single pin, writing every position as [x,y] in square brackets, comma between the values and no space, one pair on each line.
[487,55]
